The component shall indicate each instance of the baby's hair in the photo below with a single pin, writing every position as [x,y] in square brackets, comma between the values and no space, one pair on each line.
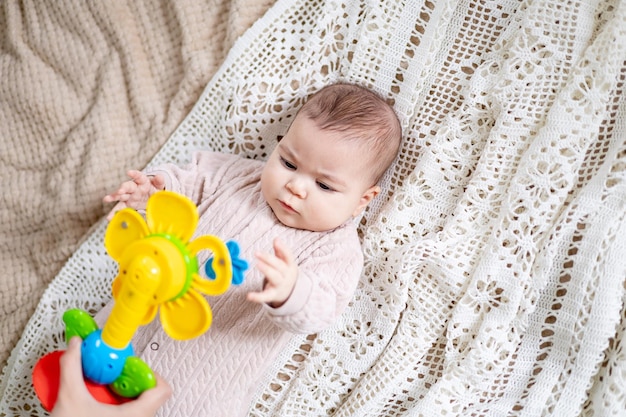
[363,116]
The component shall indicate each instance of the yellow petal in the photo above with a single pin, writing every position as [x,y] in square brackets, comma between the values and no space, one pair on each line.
[126,227]
[186,317]
[172,213]
[209,286]
[222,265]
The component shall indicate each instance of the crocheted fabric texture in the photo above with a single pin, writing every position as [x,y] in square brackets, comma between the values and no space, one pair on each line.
[495,268]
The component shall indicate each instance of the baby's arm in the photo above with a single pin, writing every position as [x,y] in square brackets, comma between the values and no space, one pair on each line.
[197,179]
[134,193]
[326,279]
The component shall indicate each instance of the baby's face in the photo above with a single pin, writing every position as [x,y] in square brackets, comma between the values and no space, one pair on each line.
[314,180]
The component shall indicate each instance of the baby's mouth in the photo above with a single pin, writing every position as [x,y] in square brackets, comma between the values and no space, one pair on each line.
[287,207]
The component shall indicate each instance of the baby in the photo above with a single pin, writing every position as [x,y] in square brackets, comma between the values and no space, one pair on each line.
[294,215]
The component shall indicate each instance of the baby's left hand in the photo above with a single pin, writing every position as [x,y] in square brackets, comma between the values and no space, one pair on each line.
[280,271]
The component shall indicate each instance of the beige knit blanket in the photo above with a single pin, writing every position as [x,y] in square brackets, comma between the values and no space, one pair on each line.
[495,260]
[87,91]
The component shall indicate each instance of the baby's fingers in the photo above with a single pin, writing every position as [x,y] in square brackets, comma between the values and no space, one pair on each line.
[158,182]
[123,193]
[137,176]
[267,260]
[265,296]
[283,252]
[271,267]
[119,206]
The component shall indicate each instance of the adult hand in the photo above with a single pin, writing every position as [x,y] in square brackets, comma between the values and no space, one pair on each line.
[75,401]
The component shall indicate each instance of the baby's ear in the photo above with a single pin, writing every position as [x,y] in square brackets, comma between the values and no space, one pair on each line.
[366,198]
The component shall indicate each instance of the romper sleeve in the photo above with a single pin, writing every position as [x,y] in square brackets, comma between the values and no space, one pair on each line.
[327,278]
[206,172]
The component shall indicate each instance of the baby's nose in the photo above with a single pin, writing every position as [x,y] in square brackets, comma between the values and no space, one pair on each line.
[297,187]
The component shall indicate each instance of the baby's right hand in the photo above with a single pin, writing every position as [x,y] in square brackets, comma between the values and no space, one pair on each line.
[134,193]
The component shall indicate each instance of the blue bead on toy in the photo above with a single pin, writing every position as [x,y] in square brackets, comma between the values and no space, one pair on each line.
[239,265]
[102,363]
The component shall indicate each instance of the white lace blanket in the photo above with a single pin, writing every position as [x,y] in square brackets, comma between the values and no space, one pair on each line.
[496,263]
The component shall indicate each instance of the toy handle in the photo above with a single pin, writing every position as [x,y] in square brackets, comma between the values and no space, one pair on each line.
[221,263]
[132,300]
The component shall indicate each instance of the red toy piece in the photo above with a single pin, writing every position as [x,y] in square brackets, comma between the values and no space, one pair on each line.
[47,377]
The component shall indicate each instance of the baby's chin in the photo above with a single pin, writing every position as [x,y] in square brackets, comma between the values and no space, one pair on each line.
[301,225]
[290,222]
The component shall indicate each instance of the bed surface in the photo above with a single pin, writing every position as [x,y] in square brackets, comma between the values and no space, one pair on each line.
[88,91]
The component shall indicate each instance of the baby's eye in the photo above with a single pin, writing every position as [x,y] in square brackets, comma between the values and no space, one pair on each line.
[287,164]
[324,186]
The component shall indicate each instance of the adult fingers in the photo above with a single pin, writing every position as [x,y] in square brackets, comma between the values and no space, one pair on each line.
[71,367]
[72,383]
[73,399]
[151,400]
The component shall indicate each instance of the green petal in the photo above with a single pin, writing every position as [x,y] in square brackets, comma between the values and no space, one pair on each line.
[136,377]
[78,323]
